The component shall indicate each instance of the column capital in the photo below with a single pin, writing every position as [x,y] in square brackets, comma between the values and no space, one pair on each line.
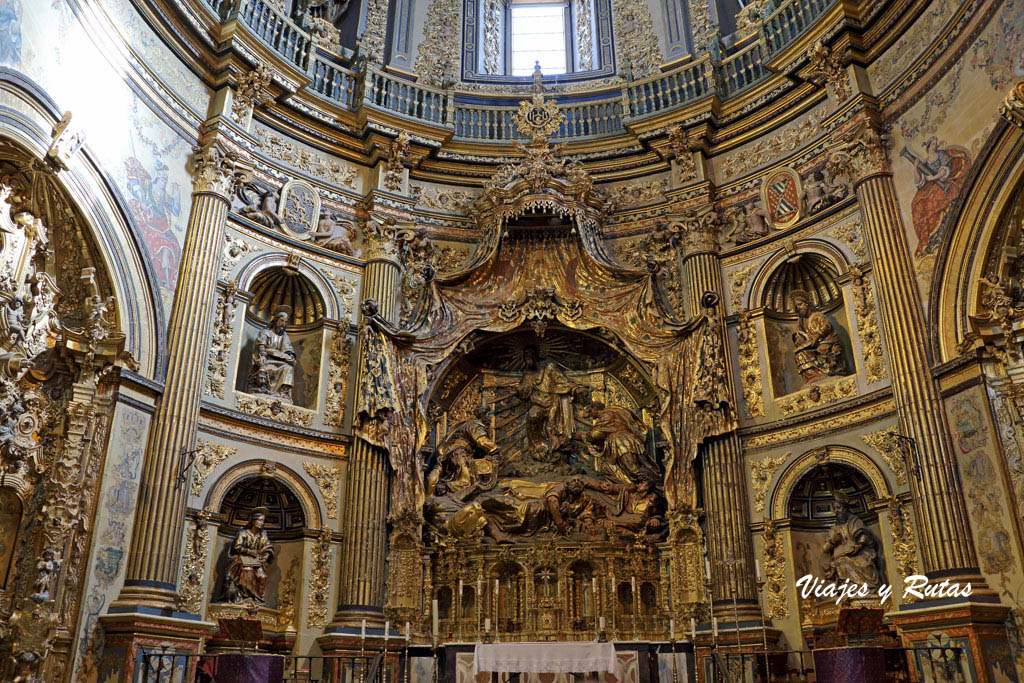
[1012,108]
[698,231]
[861,153]
[379,239]
[219,170]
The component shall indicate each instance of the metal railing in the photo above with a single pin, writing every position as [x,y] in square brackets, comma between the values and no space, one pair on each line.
[940,664]
[173,667]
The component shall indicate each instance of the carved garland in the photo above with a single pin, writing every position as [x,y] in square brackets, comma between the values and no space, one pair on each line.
[220,344]
[208,456]
[289,595]
[850,233]
[884,442]
[273,408]
[762,472]
[193,571]
[337,387]
[738,282]
[328,480]
[902,537]
[775,571]
[817,395]
[867,328]
[319,579]
[750,367]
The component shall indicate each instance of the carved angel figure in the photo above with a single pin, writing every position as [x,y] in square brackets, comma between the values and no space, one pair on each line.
[261,208]
[819,194]
[748,224]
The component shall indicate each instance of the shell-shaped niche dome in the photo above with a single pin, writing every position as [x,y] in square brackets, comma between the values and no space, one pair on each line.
[813,496]
[812,273]
[284,510]
[283,286]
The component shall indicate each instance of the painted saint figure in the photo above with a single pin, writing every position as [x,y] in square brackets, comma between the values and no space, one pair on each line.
[851,551]
[818,351]
[939,176]
[273,359]
[251,553]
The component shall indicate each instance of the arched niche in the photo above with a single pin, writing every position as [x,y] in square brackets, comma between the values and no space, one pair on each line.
[286,287]
[286,524]
[808,334]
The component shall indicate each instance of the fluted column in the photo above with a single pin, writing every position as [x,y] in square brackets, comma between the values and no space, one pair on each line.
[361,580]
[724,482]
[152,567]
[946,542]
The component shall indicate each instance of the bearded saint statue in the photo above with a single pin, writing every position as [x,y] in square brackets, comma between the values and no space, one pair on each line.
[273,359]
[851,551]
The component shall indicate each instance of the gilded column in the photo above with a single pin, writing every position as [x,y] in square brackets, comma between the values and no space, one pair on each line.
[152,567]
[946,542]
[361,581]
[724,481]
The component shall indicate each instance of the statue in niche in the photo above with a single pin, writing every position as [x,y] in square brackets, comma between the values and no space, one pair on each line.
[550,395]
[615,444]
[749,223]
[465,459]
[273,359]
[336,235]
[819,194]
[45,569]
[251,553]
[818,351]
[851,551]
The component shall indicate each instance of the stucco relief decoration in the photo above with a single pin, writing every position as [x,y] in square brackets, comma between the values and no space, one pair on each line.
[861,152]
[826,68]
[320,580]
[250,93]
[315,164]
[780,197]
[817,395]
[636,194]
[739,280]
[761,472]
[493,16]
[453,201]
[679,146]
[300,209]
[885,443]
[747,222]
[220,343]
[775,570]
[337,388]
[852,235]
[750,366]
[636,44]
[398,153]
[193,569]
[235,249]
[328,480]
[583,18]
[65,141]
[766,149]
[274,409]
[903,544]
[219,170]
[208,456]
[875,368]
[289,596]
[439,55]
[1012,108]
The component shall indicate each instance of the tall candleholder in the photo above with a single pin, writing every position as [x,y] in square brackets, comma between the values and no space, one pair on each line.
[362,659]
[675,664]
[764,628]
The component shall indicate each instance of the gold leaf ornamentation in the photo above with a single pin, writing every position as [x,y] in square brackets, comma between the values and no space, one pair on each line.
[750,367]
[775,571]
[817,395]
[274,409]
[320,580]
[328,480]
[762,472]
[884,442]
[208,456]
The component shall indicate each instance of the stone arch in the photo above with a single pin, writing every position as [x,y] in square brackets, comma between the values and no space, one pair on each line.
[254,468]
[759,281]
[333,307]
[829,454]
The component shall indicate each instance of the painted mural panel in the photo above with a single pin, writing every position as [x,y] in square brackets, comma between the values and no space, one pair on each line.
[113,529]
[936,142]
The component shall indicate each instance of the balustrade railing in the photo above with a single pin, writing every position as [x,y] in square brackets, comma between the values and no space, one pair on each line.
[669,90]
[789,20]
[271,25]
[743,68]
[496,123]
[397,95]
[333,82]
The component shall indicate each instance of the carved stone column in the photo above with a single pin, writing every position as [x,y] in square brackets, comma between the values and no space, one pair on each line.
[946,542]
[362,576]
[724,480]
[156,552]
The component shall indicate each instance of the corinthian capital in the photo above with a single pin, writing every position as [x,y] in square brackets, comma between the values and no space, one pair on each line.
[861,153]
[218,170]
[379,239]
[1012,108]
[698,232]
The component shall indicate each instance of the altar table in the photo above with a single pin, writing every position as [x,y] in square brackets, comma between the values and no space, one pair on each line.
[544,657]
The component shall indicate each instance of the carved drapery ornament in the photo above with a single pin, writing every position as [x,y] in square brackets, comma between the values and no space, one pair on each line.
[193,570]
[328,480]
[861,153]
[251,93]
[775,571]
[219,170]
[1012,108]
[320,580]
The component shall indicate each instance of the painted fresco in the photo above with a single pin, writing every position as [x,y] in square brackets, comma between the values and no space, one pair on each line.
[113,529]
[936,141]
[911,44]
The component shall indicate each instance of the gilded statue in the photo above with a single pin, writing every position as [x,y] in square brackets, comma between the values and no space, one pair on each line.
[818,351]
[636,508]
[273,359]
[851,551]
[550,395]
[251,553]
[615,444]
[465,459]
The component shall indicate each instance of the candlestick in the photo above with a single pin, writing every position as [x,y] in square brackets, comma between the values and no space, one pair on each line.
[487,624]
[387,627]
[707,567]
[714,626]
[407,632]
[602,623]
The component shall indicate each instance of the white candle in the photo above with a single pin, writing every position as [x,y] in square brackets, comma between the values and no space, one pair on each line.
[714,626]
[757,568]
[672,629]
[407,631]
[487,624]
[693,629]
[479,587]
[433,604]
[632,583]
[602,623]
[387,627]
[362,631]
[707,568]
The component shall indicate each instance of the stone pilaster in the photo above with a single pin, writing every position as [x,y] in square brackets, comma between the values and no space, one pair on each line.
[362,576]
[945,538]
[156,552]
[724,482]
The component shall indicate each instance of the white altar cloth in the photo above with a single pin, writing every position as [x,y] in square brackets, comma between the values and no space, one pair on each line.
[545,657]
